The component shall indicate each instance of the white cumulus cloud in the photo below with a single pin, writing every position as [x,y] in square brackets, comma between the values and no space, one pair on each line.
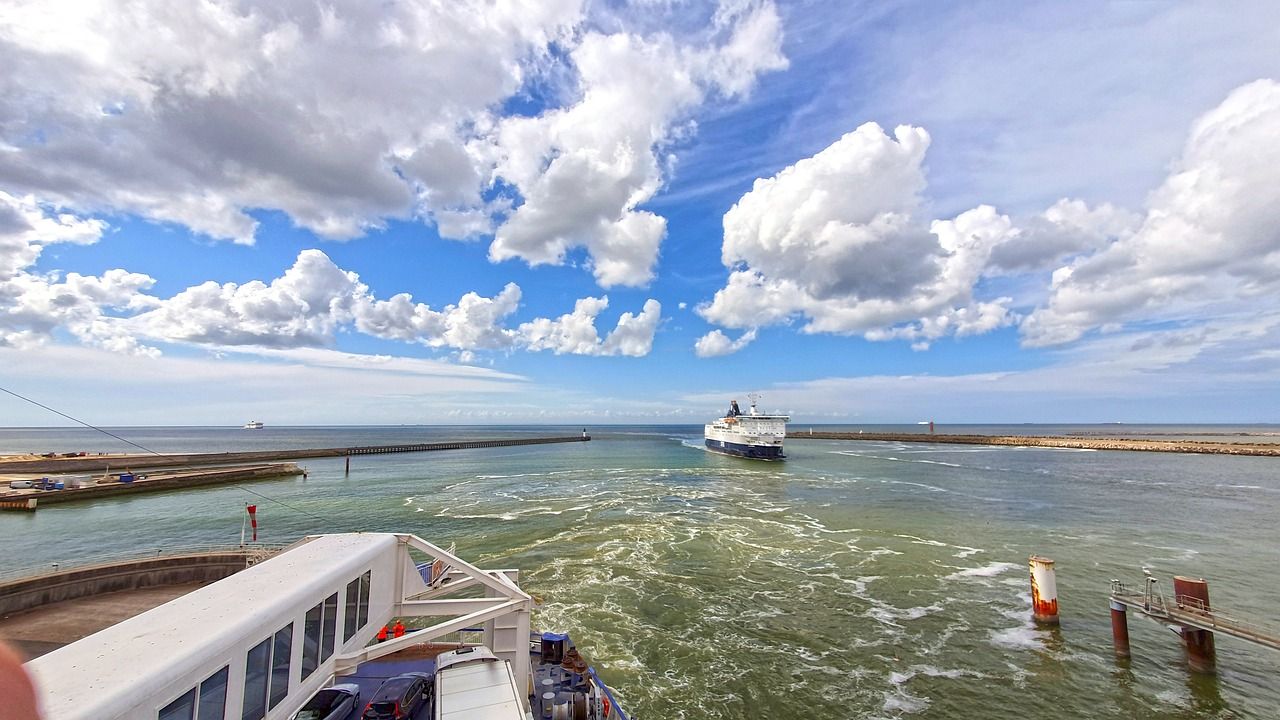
[306,307]
[1209,237]
[315,299]
[575,332]
[343,115]
[835,238]
[716,343]
[34,304]
[583,171]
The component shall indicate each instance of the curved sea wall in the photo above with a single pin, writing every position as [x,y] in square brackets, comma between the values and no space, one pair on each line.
[35,591]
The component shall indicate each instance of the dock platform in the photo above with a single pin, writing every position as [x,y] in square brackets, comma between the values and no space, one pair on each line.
[21,500]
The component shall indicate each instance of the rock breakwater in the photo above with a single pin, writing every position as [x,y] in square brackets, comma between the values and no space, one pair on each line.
[1091,443]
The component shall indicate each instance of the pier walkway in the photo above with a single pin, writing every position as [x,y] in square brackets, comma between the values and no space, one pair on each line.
[1190,611]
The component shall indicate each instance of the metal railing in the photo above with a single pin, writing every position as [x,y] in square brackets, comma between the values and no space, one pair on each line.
[1192,612]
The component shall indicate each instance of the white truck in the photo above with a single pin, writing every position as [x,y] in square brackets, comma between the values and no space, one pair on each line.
[474,684]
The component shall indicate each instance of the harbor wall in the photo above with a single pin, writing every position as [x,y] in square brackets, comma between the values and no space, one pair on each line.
[1174,446]
[93,463]
[175,481]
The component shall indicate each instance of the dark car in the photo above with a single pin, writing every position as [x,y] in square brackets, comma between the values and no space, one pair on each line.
[331,703]
[399,697]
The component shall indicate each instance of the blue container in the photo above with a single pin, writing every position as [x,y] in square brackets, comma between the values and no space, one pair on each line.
[59,485]
[126,477]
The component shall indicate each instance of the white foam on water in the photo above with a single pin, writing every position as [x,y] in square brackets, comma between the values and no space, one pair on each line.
[930,488]
[898,701]
[967,551]
[989,570]
[898,678]
[482,516]
[1017,638]
[882,551]
[921,541]
[1182,554]
[890,614]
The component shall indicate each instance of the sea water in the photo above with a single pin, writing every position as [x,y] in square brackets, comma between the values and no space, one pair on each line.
[854,580]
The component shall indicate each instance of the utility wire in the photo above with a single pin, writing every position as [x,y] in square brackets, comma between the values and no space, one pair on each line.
[153,452]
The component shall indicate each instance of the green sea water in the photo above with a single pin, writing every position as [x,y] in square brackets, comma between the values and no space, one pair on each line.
[853,580]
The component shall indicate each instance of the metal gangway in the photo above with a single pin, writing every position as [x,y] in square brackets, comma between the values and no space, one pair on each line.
[1190,612]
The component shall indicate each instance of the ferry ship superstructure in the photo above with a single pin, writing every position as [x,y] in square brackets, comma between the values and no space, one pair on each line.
[258,644]
[753,435]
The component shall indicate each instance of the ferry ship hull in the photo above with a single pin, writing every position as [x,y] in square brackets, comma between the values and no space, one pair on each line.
[753,435]
[753,452]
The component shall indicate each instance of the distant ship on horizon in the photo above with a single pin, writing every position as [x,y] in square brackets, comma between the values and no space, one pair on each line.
[253,425]
[753,435]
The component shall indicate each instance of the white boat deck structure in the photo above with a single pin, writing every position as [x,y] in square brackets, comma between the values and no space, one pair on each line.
[258,644]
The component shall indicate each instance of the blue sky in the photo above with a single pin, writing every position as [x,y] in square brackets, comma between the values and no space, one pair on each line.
[631,212]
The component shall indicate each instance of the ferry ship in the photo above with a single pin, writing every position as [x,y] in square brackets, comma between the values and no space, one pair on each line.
[752,435]
[253,425]
[302,634]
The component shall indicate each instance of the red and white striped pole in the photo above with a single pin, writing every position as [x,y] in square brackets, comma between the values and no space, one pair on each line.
[253,519]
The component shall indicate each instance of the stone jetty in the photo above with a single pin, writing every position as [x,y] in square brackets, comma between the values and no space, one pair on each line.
[1091,443]
[81,462]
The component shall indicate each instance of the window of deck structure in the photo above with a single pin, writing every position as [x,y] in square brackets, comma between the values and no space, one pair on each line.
[256,667]
[351,610]
[213,696]
[311,640]
[266,674]
[330,626]
[183,708]
[365,581]
[280,665]
[210,705]
[356,610]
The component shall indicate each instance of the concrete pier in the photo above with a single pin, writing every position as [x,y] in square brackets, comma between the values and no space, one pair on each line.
[173,480]
[1175,446]
[91,463]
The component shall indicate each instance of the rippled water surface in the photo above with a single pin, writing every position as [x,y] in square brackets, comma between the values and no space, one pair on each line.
[854,580]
